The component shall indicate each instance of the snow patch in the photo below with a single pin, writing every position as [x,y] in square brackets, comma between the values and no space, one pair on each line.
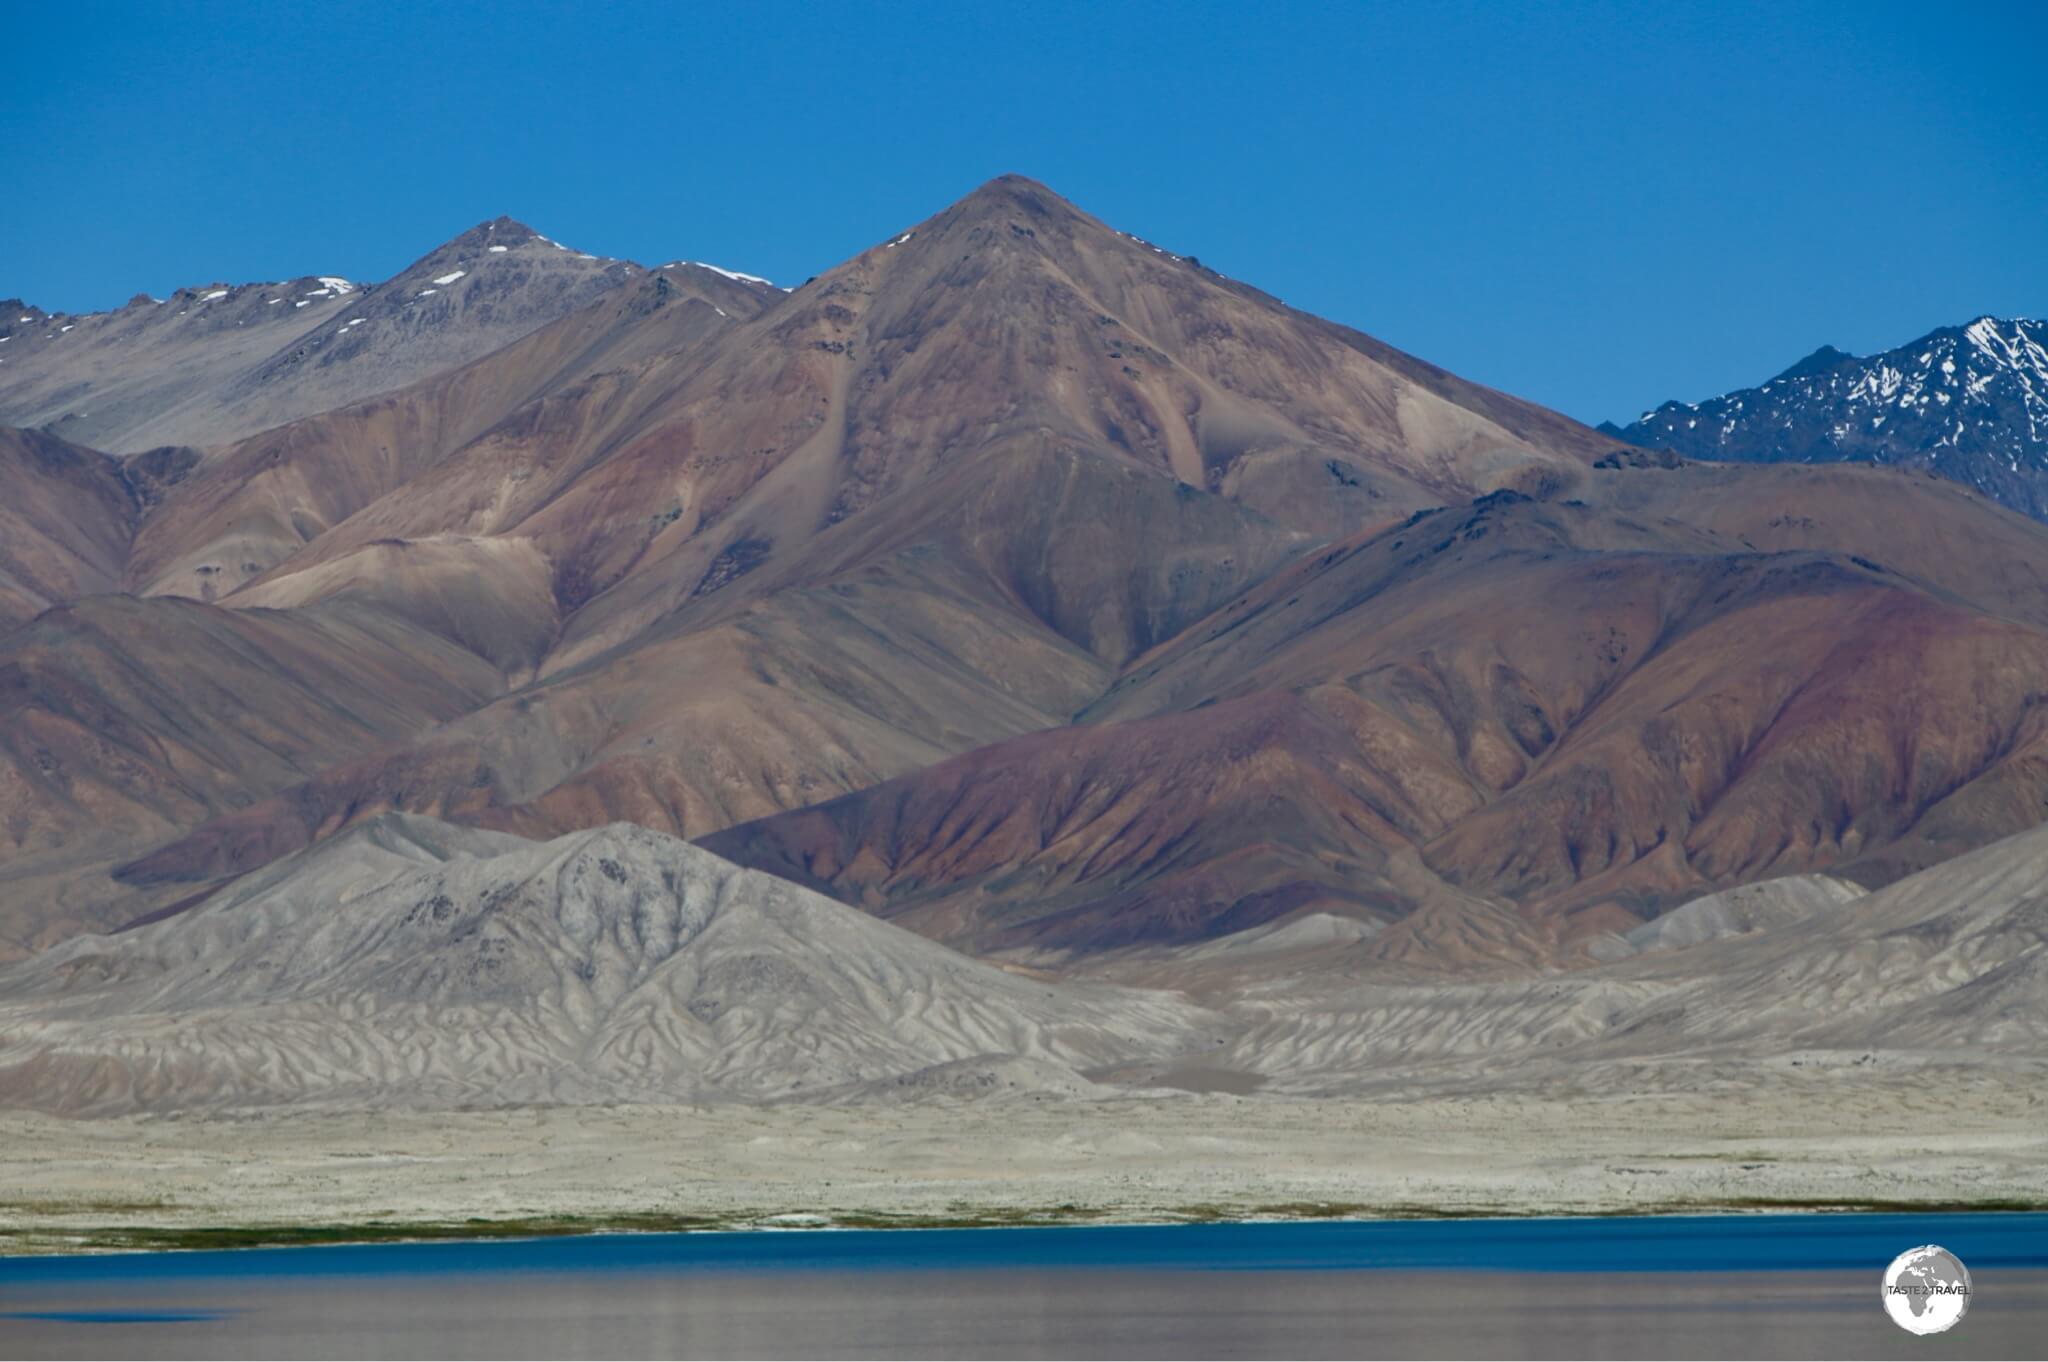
[450,278]
[499,250]
[217,293]
[731,274]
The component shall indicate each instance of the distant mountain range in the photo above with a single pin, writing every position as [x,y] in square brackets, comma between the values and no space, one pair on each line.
[1967,402]
[1023,583]
[215,362]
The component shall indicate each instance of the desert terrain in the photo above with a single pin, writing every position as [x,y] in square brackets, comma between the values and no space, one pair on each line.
[1855,1141]
[1021,726]
[618,1030]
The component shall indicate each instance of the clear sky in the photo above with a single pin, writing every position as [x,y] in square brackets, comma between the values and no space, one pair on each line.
[1596,206]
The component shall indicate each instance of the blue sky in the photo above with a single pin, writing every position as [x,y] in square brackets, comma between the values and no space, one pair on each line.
[1596,206]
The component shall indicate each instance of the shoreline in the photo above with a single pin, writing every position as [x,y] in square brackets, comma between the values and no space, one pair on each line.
[125,1241]
[281,1178]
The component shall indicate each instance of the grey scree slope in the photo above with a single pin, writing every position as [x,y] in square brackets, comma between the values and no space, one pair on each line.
[409,963]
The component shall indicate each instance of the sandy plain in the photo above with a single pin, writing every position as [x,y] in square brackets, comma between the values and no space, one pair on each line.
[1840,1142]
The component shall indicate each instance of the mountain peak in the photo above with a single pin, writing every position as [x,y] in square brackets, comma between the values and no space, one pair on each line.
[1014,196]
[488,240]
[1969,402]
[501,226]
[1011,218]
[497,231]
[1013,190]
[1819,362]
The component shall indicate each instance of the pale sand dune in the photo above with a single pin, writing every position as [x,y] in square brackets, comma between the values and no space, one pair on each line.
[1974,1137]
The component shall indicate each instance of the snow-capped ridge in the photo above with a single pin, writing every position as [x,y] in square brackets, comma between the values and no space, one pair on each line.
[1969,402]
[730,274]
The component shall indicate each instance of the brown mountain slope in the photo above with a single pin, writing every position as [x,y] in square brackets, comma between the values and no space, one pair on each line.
[1292,629]
[1814,736]
[1176,828]
[776,710]
[231,517]
[113,726]
[122,721]
[966,611]
[212,515]
[1010,321]
[103,377]
[66,518]
[1515,674]
[1546,709]
[214,364]
[1107,556]
[1945,536]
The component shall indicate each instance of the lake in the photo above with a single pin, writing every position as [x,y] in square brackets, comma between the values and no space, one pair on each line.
[1714,1286]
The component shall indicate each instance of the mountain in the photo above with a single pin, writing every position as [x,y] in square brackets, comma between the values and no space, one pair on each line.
[410,963]
[967,612]
[211,364]
[1039,589]
[124,721]
[908,510]
[1011,324]
[108,378]
[1943,971]
[1967,402]
[67,517]
[238,513]
[1749,908]
[1588,709]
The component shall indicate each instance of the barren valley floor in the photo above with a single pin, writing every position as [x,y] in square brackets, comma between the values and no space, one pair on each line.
[287,1176]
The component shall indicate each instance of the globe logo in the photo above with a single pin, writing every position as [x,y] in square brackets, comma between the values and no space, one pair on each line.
[1926,1290]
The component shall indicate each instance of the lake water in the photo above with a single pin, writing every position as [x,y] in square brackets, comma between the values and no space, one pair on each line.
[1708,1286]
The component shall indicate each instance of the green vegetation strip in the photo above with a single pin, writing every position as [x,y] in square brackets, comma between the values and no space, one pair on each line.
[48,1238]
